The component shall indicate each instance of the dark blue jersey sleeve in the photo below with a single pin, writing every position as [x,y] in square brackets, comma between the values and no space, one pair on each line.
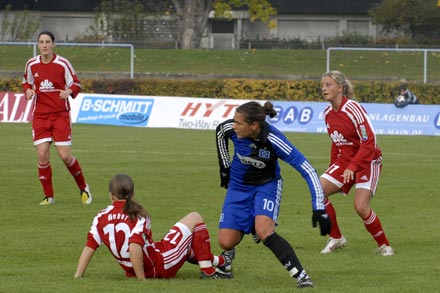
[291,155]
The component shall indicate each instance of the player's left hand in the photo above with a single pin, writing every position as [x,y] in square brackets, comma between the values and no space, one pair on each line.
[348,176]
[224,176]
[324,221]
[65,94]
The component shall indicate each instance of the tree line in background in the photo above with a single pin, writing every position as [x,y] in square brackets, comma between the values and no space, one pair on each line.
[418,20]
[182,22]
[132,22]
[176,21]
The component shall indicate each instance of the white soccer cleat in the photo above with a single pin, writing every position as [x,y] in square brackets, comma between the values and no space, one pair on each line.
[384,250]
[334,243]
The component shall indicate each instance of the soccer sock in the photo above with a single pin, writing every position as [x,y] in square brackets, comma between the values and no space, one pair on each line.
[75,169]
[45,176]
[331,212]
[373,225]
[201,244]
[218,260]
[285,254]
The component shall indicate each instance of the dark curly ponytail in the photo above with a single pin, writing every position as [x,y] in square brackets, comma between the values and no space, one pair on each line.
[254,112]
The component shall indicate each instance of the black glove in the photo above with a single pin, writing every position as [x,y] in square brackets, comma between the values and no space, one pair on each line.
[224,177]
[324,221]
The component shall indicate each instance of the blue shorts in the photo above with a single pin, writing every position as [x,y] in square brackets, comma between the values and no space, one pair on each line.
[241,206]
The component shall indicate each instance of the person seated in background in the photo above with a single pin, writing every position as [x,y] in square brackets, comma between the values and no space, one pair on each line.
[405,96]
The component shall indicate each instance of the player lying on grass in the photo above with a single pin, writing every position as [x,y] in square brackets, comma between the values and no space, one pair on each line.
[125,228]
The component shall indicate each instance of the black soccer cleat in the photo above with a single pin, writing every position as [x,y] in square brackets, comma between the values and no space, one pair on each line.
[304,282]
[228,255]
[219,274]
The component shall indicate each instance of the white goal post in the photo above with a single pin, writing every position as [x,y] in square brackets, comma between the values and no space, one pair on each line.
[425,55]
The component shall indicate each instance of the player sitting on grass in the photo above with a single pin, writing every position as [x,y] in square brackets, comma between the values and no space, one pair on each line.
[125,228]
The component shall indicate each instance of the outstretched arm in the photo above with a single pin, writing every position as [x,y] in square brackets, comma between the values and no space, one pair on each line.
[84,261]
[288,153]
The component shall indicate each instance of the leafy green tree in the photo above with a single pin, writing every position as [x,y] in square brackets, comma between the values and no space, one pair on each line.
[125,20]
[417,19]
[194,16]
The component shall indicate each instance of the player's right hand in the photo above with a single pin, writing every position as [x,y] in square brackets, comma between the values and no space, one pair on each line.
[29,94]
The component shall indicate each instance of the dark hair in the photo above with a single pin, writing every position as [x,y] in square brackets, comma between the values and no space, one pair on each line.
[50,34]
[254,112]
[122,187]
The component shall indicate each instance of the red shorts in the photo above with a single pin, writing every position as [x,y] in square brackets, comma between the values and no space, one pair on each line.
[175,248]
[367,178]
[52,127]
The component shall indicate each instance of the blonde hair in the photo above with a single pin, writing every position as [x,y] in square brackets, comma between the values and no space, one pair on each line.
[403,84]
[340,79]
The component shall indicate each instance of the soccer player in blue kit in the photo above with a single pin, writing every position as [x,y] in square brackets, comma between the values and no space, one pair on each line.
[254,184]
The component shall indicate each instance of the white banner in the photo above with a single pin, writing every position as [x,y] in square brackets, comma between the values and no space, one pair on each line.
[149,111]
[206,113]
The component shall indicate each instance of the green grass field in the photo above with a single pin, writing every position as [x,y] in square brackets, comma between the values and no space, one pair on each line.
[175,171]
[260,63]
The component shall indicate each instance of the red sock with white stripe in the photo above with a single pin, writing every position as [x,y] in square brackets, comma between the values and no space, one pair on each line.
[218,260]
[75,169]
[373,225]
[331,212]
[201,244]
[45,176]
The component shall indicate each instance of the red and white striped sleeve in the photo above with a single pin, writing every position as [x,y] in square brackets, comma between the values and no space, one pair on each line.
[365,133]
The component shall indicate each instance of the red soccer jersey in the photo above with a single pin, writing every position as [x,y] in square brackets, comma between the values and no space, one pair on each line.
[115,229]
[353,138]
[47,80]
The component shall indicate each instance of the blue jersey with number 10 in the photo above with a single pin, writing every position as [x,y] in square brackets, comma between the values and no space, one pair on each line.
[255,161]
